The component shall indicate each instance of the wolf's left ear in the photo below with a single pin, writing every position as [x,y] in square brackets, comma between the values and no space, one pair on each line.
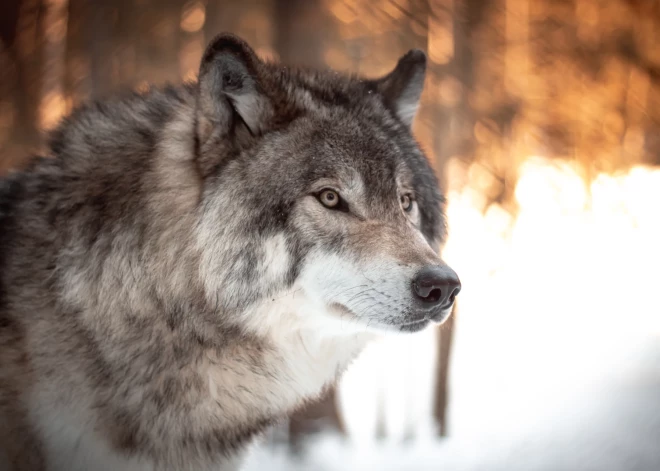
[402,88]
[229,87]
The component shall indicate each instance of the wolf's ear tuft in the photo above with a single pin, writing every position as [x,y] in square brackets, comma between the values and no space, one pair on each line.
[402,88]
[229,85]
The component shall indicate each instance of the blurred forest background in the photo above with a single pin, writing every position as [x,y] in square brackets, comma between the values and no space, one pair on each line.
[541,118]
[508,78]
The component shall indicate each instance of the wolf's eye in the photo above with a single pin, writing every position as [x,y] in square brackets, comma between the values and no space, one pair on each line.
[329,198]
[406,202]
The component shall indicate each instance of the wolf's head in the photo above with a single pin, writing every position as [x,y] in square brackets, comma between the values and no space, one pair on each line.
[318,204]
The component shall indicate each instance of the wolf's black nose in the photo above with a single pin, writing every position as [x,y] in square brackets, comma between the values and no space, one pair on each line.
[436,286]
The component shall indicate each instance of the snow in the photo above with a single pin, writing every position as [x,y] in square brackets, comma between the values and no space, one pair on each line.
[613,424]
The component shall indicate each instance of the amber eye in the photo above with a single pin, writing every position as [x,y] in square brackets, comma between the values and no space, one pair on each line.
[406,202]
[329,198]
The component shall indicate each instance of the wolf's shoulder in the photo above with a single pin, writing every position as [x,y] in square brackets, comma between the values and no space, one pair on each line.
[127,123]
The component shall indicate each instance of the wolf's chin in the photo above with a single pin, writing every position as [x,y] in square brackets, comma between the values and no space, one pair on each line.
[404,324]
[414,326]
[418,325]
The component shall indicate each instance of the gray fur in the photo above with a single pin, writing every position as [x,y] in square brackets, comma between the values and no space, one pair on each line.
[161,269]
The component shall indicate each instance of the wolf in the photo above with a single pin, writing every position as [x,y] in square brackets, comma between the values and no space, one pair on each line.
[186,266]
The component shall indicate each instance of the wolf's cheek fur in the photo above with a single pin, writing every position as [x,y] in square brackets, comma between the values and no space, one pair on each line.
[359,272]
[364,290]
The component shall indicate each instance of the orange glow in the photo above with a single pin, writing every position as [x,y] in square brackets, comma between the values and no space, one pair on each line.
[450,92]
[395,8]
[193,17]
[56,31]
[267,53]
[335,58]
[441,38]
[189,57]
[53,107]
[343,12]
[53,103]
[142,86]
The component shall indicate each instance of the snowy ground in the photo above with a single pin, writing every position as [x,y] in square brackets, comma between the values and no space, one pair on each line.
[612,425]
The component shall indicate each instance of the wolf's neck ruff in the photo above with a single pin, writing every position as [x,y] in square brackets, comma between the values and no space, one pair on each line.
[175,278]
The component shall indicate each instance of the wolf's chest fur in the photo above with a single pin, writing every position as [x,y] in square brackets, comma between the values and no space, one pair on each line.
[225,398]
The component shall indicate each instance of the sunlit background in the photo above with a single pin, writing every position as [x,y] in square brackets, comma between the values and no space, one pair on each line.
[542,120]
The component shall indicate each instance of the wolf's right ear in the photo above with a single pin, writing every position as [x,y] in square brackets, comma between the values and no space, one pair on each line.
[229,89]
[402,88]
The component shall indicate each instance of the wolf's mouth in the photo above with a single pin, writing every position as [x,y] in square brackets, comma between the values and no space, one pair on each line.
[410,323]
[415,325]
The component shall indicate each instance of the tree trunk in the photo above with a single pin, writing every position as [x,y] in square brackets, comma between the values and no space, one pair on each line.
[454,139]
[28,53]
